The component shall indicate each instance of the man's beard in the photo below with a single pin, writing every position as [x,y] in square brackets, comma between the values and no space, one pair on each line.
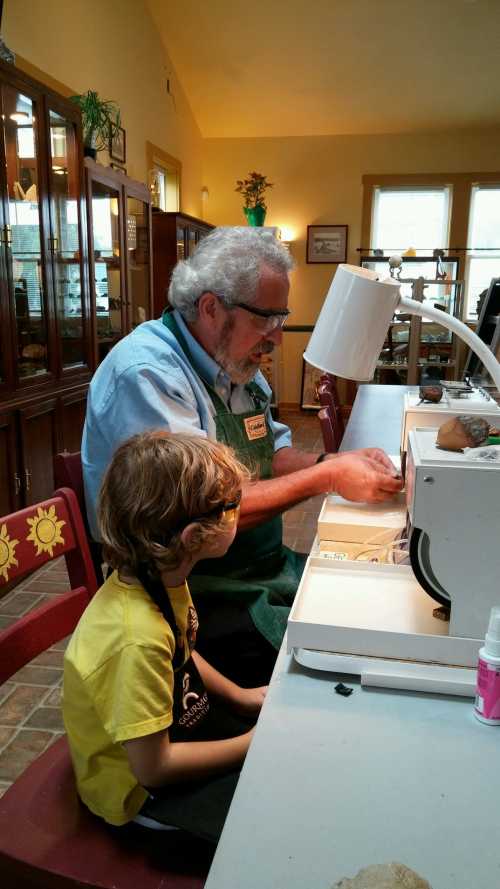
[243,370]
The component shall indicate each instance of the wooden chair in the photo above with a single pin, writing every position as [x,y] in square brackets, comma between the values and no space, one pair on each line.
[48,839]
[68,474]
[327,402]
[328,396]
[329,430]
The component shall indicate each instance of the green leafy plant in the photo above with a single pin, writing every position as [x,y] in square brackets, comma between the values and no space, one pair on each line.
[253,189]
[100,119]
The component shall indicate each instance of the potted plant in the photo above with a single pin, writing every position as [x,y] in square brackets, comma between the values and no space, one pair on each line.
[100,121]
[253,190]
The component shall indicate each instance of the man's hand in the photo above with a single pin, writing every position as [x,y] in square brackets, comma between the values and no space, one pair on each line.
[363,476]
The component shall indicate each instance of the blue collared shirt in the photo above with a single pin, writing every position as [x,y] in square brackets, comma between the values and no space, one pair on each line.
[147,382]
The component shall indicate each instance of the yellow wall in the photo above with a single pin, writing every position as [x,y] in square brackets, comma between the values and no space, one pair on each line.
[114,48]
[318,180]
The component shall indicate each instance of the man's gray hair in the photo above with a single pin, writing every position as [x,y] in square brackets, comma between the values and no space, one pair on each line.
[228,262]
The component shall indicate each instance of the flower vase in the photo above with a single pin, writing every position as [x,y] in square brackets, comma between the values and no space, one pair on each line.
[255,215]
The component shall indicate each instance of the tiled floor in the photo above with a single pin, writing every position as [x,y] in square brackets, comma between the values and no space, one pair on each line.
[30,716]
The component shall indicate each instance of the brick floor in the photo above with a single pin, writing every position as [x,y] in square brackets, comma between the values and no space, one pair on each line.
[30,716]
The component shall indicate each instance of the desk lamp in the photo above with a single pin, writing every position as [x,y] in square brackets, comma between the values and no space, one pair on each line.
[353,322]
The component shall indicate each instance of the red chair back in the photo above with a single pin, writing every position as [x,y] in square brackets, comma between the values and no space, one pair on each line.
[28,540]
[329,431]
[68,473]
[329,397]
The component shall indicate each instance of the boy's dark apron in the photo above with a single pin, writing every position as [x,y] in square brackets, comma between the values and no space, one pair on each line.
[258,576]
[198,807]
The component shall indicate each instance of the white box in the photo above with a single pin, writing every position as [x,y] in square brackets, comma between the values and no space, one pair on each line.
[425,415]
[371,609]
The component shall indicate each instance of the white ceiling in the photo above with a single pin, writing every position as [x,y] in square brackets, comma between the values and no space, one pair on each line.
[325,67]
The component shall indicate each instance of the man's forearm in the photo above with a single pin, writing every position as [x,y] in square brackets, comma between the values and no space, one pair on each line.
[264,499]
[362,476]
[291,460]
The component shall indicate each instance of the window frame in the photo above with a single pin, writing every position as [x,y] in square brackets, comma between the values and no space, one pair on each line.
[461,187]
[157,159]
[475,254]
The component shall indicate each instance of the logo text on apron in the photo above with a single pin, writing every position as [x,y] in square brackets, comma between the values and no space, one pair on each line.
[255,427]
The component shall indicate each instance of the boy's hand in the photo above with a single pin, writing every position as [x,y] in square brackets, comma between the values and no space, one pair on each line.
[249,701]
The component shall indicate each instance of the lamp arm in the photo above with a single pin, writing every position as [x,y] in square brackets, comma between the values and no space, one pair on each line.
[468,336]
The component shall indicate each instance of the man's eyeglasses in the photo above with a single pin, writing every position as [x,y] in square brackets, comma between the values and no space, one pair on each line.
[268,319]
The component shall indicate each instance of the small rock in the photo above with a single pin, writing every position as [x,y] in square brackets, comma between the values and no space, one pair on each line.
[463,432]
[384,876]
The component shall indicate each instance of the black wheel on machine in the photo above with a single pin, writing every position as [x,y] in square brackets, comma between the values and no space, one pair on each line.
[421,564]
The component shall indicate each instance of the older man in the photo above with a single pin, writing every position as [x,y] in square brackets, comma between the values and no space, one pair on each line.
[197,371]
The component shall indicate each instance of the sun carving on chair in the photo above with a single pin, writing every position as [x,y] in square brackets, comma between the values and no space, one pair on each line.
[7,552]
[45,530]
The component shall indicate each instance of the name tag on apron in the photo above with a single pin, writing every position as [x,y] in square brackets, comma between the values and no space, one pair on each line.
[256,427]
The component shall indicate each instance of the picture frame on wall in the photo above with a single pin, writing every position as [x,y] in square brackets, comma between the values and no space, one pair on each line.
[119,168]
[326,243]
[118,145]
[311,381]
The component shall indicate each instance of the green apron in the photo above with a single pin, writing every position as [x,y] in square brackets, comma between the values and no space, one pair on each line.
[257,570]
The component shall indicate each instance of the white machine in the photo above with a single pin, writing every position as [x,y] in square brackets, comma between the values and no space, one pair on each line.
[457,399]
[379,621]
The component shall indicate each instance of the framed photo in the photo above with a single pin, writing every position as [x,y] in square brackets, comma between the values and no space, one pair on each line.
[311,381]
[326,243]
[119,168]
[117,146]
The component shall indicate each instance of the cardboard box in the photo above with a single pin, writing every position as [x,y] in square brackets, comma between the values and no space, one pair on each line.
[373,524]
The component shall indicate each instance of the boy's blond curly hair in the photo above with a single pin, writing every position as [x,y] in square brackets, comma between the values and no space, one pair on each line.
[156,484]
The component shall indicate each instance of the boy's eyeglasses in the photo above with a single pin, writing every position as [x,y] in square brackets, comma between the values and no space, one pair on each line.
[227,512]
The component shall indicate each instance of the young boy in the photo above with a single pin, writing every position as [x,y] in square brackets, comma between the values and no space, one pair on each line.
[152,728]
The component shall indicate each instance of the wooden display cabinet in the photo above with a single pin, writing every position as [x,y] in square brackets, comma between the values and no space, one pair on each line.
[119,230]
[46,348]
[175,235]
[415,343]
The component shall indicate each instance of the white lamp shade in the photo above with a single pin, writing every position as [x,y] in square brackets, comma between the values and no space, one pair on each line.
[353,323]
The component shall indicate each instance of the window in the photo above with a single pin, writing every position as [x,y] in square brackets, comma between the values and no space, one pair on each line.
[406,218]
[164,178]
[483,258]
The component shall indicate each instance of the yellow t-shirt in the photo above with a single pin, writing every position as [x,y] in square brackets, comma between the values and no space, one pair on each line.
[118,685]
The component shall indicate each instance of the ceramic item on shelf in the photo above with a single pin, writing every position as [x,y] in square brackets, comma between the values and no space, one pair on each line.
[431,393]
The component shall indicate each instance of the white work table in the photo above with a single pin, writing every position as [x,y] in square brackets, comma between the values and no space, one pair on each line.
[333,784]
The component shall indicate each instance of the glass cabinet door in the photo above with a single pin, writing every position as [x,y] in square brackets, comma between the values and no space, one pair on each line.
[22,233]
[107,262]
[138,265]
[65,244]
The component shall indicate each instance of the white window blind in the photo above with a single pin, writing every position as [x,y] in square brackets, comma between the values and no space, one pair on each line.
[406,218]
